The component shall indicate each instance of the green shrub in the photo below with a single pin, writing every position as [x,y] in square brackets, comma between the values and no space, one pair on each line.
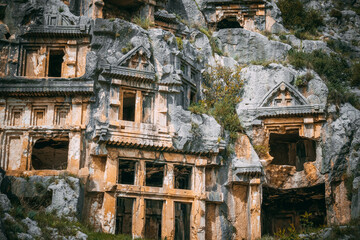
[261,150]
[222,87]
[296,18]
[180,43]
[333,69]
[142,22]
[355,75]
[335,13]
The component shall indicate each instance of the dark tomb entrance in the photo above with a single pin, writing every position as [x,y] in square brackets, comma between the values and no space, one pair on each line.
[182,221]
[230,22]
[51,154]
[281,208]
[153,219]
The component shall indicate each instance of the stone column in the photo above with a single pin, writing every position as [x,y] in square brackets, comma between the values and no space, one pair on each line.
[198,207]
[138,220]
[74,153]
[168,220]
[240,194]
[109,213]
[24,151]
[255,210]
[168,216]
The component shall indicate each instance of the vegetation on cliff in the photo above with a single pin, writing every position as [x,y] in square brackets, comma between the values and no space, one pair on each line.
[221,92]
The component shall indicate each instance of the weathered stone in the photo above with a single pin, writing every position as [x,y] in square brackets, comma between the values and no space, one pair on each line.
[5,204]
[65,197]
[32,227]
[247,46]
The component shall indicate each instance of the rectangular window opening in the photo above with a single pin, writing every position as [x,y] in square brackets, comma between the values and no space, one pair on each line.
[126,172]
[124,211]
[153,219]
[182,220]
[154,174]
[292,149]
[56,59]
[182,176]
[129,103]
[192,97]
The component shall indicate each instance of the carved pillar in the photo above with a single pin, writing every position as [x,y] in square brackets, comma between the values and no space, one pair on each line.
[198,207]
[76,111]
[138,220]
[240,194]
[74,153]
[24,151]
[168,220]
[255,209]
[109,212]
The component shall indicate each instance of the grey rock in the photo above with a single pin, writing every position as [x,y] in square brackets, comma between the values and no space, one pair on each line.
[339,136]
[32,226]
[194,132]
[34,186]
[24,236]
[5,204]
[65,197]
[187,9]
[247,46]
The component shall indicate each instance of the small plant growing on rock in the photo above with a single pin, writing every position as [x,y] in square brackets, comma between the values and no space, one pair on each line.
[126,49]
[180,43]
[222,87]
[261,150]
[142,22]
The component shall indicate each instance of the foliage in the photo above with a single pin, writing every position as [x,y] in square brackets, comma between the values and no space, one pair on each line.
[335,13]
[333,69]
[261,150]
[303,80]
[355,75]
[128,47]
[339,46]
[287,234]
[297,18]
[222,87]
[180,43]
[142,22]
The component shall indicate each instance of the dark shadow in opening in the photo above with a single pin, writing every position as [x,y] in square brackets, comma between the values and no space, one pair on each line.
[281,208]
[56,58]
[291,149]
[153,219]
[50,154]
[124,211]
[228,23]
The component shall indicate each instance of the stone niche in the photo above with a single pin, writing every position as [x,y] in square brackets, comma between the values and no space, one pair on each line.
[235,14]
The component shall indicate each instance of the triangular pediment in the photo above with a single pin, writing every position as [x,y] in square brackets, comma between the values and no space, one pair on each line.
[283,95]
[138,58]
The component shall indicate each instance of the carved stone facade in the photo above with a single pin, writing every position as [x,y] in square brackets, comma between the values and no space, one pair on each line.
[91,95]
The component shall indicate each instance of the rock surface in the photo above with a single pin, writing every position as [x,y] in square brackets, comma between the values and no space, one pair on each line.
[246,46]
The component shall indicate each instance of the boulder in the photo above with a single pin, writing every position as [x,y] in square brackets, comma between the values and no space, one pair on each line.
[5,204]
[32,227]
[65,197]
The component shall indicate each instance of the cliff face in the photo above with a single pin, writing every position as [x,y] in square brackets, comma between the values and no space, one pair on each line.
[101,90]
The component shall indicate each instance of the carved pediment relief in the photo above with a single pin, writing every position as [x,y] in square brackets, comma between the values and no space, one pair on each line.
[283,95]
[138,58]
